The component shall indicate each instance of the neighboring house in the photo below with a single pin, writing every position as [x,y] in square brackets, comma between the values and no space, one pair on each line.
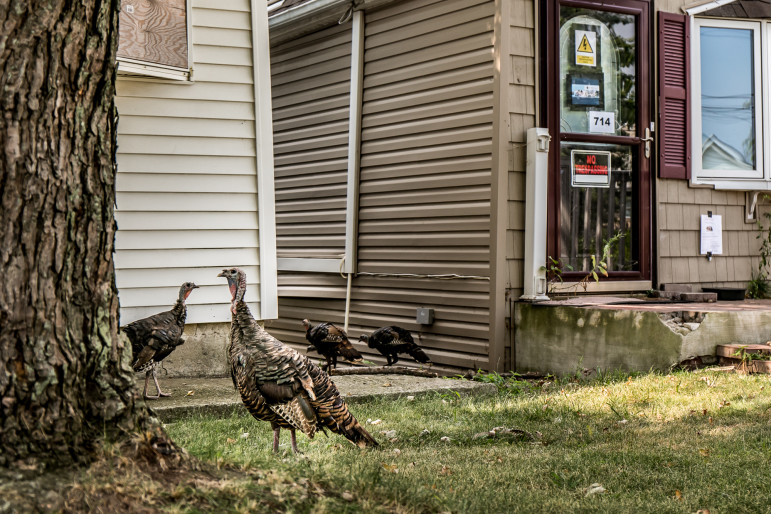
[400,141]
[195,165]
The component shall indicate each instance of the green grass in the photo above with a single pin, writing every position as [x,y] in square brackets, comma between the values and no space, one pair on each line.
[656,443]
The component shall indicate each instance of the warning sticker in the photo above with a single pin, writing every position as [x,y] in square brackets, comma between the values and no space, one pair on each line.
[586,48]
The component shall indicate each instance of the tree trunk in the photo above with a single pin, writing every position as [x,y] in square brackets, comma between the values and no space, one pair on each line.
[65,376]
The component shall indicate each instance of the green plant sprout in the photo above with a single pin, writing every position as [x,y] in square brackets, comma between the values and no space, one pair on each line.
[556,267]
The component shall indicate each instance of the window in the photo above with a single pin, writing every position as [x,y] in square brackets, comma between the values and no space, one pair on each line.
[155,39]
[728,112]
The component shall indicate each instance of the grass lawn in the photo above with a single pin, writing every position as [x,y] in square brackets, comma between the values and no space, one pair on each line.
[676,442]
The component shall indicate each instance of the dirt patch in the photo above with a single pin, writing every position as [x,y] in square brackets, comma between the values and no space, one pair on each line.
[150,474]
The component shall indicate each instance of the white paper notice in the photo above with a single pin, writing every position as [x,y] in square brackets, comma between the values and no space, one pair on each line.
[711,234]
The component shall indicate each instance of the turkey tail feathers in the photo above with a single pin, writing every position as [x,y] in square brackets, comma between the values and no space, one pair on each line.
[418,354]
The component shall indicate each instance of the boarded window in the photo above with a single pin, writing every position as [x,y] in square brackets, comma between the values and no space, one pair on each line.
[154,32]
[674,128]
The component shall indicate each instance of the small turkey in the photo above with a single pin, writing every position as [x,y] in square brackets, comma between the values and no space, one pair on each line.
[331,342]
[154,338]
[279,385]
[393,340]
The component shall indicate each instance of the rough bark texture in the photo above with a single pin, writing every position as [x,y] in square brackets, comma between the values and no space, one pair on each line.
[65,378]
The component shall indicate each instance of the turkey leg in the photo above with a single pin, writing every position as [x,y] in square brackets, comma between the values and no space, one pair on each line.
[157,387]
[276,432]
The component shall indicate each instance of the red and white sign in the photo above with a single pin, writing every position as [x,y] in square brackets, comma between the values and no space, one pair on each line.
[590,169]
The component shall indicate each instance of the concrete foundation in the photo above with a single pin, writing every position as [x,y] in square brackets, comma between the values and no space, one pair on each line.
[204,353]
[550,338]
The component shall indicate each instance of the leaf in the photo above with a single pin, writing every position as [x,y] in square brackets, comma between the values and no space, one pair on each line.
[704,452]
[678,495]
[594,275]
[390,467]
[604,271]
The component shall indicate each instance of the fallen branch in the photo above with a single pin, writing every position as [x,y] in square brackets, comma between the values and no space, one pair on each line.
[383,370]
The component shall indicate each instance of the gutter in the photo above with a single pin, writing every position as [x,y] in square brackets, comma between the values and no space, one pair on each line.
[314,15]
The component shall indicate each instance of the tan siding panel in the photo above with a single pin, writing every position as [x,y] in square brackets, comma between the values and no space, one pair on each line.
[191,239]
[176,183]
[428,72]
[221,19]
[202,164]
[149,220]
[219,54]
[215,37]
[180,202]
[170,145]
[194,127]
[199,91]
[300,181]
[219,257]
[224,74]
[311,82]
[139,106]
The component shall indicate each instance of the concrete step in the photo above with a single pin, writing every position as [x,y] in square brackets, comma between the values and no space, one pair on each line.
[195,396]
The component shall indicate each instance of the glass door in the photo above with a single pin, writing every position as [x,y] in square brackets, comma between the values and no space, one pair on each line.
[599,183]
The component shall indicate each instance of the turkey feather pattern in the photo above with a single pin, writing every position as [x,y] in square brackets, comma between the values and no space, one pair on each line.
[278,384]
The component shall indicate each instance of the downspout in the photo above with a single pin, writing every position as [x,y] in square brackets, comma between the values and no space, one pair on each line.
[354,154]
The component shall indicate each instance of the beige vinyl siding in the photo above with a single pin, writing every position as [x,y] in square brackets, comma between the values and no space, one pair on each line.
[426,158]
[520,88]
[679,210]
[186,184]
[311,84]
[424,198]
[424,203]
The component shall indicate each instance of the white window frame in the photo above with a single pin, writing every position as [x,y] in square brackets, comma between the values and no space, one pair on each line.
[732,179]
[135,67]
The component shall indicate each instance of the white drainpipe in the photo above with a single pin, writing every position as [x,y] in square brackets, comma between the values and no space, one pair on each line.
[536,214]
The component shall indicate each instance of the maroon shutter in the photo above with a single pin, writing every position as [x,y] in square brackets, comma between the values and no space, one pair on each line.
[674,131]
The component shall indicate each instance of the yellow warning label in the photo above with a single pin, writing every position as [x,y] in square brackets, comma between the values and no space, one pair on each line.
[584,46]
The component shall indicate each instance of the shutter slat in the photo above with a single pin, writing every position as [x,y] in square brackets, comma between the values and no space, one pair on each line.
[674,89]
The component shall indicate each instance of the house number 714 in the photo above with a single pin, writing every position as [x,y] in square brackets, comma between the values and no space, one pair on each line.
[603,122]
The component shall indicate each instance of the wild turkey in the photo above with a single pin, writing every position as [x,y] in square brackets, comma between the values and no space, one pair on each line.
[391,341]
[331,342]
[155,337]
[278,384]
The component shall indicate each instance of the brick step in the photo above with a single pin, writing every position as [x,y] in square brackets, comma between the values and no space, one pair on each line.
[730,350]
[730,354]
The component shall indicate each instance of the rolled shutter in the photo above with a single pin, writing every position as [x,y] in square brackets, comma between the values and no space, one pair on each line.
[674,89]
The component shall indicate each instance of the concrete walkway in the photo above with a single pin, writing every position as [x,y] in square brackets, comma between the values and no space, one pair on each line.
[193,396]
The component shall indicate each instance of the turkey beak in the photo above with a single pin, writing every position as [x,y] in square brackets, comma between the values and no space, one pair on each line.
[222,274]
[196,287]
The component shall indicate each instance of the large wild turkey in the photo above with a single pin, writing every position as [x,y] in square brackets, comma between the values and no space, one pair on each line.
[155,337]
[393,340]
[278,384]
[331,342]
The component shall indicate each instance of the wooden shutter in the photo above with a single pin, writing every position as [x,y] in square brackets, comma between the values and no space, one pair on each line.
[674,90]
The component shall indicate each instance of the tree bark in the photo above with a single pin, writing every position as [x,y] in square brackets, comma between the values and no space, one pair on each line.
[65,375]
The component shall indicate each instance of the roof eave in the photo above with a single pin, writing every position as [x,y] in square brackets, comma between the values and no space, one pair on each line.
[312,16]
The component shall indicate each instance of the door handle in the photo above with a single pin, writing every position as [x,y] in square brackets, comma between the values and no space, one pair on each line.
[648,140]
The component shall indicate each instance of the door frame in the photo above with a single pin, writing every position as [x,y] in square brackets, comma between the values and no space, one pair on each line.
[551,118]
